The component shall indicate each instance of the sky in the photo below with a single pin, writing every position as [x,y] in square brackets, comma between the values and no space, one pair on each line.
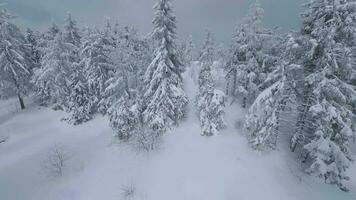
[194,16]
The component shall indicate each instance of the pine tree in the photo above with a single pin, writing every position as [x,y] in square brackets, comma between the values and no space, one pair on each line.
[189,51]
[52,79]
[80,100]
[329,89]
[52,32]
[32,39]
[266,113]
[124,117]
[131,57]
[98,65]
[247,65]
[71,33]
[165,99]
[15,65]
[210,101]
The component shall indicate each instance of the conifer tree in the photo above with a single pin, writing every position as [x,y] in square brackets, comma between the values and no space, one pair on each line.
[71,33]
[80,99]
[15,65]
[247,65]
[32,39]
[165,99]
[52,79]
[124,117]
[98,65]
[326,122]
[210,101]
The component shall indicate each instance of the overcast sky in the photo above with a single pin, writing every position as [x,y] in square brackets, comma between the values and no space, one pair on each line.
[194,16]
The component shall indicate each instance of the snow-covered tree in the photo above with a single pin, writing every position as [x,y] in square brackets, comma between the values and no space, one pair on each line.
[131,57]
[165,99]
[52,79]
[71,33]
[52,32]
[210,101]
[249,60]
[326,122]
[98,65]
[266,113]
[32,39]
[186,51]
[124,117]
[80,99]
[15,62]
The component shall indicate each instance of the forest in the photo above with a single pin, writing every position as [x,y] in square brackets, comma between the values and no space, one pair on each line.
[289,94]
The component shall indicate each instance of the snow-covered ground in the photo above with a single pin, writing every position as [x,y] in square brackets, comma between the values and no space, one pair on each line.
[187,166]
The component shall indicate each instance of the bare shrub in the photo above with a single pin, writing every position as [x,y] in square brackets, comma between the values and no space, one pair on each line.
[56,161]
[128,192]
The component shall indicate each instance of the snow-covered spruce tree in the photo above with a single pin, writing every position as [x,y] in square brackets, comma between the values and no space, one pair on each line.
[276,104]
[189,49]
[131,57]
[111,32]
[52,79]
[165,99]
[15,65]
[265,115]
[98,65]
[80,99]
[32,39]
[329,90]
[210,101]
[124,117]
[71,33]
[52,32]
[248,62]
[45,37]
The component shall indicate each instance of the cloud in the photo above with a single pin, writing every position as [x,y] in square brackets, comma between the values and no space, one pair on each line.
[220,16]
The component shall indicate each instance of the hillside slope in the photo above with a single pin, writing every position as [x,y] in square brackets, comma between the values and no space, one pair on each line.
[187,166]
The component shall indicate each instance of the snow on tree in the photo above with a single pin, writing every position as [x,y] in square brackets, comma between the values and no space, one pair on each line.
[110,32]
[210,101]
[98,65]
[15,65]
[32,39]
[186,51]
[80,99]
[265,115]
[52,32]
[131,57]
[52,79]
[249,60]
[165,99]
[326,122]
[71,33]
[124,117]
[189,55]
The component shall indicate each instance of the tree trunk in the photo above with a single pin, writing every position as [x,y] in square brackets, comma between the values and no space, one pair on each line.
[21,102]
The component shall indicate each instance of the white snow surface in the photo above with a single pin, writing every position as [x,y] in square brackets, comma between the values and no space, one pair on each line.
[186,167]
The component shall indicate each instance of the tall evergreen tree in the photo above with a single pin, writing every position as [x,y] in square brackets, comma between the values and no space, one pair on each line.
[80,99]
[98,65]
[249,61]
[124,117]
[326,122]
[165,99]
[15,65]
[52,79]
[32,39]
[71,33]
[210,101]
